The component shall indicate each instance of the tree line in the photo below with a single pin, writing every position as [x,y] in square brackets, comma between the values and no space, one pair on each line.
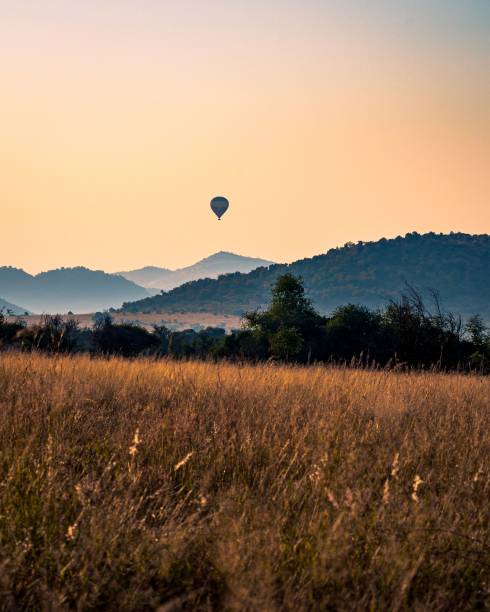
[405,333]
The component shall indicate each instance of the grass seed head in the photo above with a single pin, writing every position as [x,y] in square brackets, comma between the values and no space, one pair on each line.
[183,461]
[133,449]
[417,481]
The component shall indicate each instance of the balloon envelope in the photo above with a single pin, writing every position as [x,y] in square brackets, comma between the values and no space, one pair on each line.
[219,206]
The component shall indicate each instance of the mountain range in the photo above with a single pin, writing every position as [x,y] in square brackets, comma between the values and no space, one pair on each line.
[67,289]
[455,265]
[81,290]
[153,277]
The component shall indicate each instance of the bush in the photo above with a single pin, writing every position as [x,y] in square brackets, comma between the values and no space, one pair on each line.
[124,339]
[9,330]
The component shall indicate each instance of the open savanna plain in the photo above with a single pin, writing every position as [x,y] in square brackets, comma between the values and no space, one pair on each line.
[134,485]
[174,320]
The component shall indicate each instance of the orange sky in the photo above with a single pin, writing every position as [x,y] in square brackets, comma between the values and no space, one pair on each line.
[321,123]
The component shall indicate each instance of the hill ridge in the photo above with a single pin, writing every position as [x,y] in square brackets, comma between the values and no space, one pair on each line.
[60,290]
[212,266]
[7,307]
[455,264]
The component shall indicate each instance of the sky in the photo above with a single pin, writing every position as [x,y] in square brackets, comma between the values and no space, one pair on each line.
[322,121]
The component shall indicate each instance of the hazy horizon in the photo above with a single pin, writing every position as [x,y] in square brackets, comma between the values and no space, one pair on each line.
[147,265]
[322,122]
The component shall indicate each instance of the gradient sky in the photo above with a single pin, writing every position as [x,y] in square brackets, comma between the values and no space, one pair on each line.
[322,122]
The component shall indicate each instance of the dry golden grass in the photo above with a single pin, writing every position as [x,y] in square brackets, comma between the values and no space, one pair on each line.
[139,485]
[178,320]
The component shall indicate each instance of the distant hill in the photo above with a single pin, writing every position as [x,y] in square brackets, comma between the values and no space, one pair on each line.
[456,265]
[59,291]
[149,276]
[156,278]
[12,308]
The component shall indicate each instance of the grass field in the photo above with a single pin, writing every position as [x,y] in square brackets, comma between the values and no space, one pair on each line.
[140,485]
[174,320]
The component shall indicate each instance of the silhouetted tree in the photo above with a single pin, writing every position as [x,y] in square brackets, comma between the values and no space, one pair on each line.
[163,334]
[477,331]
[124,339]
[480,338]
[290,324]
[353,331]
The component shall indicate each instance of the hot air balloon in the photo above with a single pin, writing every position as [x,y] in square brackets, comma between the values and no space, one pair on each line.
[219,205]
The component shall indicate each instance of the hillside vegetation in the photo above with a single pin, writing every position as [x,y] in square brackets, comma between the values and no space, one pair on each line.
[455,265]
[129,485]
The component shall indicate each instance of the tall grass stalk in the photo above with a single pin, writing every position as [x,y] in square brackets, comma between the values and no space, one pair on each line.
[135,485]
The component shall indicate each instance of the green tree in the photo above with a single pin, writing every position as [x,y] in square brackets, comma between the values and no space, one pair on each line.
[352,331]
[286,343]
[290,324]
[480,338]
[477,331]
